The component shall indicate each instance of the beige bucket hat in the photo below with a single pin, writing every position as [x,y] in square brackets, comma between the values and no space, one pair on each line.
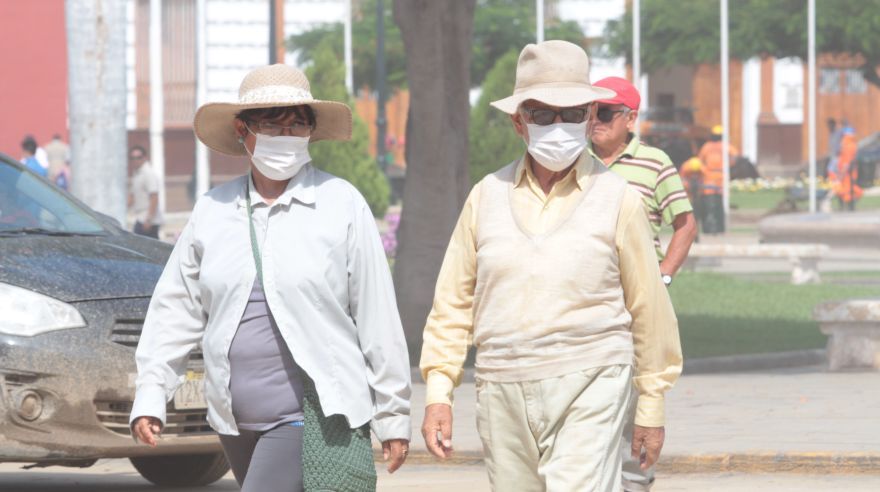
[553,72]
[269,87]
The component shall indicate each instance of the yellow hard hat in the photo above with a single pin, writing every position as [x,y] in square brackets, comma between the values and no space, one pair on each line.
[692,165]
[717,130]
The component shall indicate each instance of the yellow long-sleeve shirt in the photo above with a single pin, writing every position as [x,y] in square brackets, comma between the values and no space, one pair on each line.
[654,328]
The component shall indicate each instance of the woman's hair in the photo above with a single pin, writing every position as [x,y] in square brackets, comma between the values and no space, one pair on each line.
[303,111]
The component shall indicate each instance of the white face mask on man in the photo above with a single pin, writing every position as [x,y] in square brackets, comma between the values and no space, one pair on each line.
[556,146]
[279,158]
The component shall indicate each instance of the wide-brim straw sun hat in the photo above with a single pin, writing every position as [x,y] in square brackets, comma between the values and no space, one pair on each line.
[555,73]
[271,86]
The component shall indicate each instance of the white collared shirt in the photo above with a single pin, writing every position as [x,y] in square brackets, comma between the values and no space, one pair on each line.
[327,284]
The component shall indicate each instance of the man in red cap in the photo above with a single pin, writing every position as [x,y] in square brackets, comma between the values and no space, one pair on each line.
[650,172]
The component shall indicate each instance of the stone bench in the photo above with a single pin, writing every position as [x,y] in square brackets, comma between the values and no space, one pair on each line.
[853,329]
[859,229]
[804,258]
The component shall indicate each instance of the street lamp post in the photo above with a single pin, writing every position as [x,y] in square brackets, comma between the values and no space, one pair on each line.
[380,85]
[811,98]
[276,31]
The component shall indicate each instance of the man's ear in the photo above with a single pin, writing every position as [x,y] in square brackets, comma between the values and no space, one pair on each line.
[632,118]
[519,125]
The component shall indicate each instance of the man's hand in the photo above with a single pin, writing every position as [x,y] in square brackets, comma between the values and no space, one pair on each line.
[437,429]
[651,439]
[396,449]
[147,429]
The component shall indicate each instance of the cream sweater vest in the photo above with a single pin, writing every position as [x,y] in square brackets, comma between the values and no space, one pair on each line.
[568,277]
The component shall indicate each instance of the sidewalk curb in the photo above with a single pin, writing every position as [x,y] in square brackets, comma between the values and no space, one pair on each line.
[806,463]
[825,463]
[754,362]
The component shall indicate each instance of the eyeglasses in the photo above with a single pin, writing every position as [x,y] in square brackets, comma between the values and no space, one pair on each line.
[273,130]
[605,114]
[544,116]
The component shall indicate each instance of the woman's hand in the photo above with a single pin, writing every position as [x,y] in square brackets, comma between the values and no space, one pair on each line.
[146,430]
[396,449]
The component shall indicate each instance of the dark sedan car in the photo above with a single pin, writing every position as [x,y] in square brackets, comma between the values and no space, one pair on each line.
[74,289]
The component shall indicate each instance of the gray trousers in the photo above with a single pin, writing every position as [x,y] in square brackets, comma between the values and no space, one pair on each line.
[269,461]
[634,479]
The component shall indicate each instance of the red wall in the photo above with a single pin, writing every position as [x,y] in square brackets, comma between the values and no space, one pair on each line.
[33,72]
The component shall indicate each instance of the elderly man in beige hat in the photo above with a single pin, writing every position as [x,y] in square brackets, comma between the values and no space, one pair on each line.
[280,278]
[551,273]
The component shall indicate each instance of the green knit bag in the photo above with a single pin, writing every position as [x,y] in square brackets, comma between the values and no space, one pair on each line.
[335,457]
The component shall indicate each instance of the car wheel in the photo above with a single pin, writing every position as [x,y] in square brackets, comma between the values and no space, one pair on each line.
[182,470]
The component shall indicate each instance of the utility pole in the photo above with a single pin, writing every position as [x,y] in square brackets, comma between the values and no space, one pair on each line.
[380,85]
[349,82]
[203,165]
[637,53]
[157,100]
[97,103]
[539,14]
[725,113]
[276,31]
[811,99]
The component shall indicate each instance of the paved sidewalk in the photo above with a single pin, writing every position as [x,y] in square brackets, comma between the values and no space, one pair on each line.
[801,420]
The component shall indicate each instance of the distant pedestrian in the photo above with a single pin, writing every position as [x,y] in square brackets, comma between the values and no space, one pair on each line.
[58,154]
[712,157]
[143,199]
[40,153]
[846,174]
[835,134]
[29,159]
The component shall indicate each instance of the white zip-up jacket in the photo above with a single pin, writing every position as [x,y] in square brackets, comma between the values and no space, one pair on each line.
[327,284]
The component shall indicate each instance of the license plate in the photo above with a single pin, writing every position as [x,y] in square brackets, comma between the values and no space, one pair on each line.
[191,394]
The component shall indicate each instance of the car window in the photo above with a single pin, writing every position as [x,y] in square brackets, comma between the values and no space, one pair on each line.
[27,202]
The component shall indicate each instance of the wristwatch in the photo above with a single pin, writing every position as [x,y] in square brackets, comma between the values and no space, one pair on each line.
[667,279]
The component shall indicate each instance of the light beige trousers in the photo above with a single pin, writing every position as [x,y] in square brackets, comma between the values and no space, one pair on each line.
[559,434]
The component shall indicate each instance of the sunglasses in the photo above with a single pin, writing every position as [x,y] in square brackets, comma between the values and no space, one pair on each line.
[544,116]
[605,114]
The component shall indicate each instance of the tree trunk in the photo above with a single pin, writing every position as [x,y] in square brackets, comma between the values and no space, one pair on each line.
[97,103]
[437,41]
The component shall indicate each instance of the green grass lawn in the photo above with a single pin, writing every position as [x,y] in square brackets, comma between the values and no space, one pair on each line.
[769,199]
[723,315]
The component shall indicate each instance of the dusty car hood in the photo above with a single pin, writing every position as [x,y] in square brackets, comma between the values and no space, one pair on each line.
[79,268]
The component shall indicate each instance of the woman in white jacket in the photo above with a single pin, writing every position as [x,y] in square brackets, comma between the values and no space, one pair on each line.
[281,277]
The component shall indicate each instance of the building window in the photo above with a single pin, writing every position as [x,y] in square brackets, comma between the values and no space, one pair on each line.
[793,97]
[829,81]
[855,82]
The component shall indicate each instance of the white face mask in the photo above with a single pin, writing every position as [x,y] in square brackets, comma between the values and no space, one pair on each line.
[280,158]
[556,146]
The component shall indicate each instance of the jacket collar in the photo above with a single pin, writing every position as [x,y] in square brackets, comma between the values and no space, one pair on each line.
[300,188]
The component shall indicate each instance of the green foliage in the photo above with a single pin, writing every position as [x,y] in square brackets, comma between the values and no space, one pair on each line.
[348,160]
[499,26]
[688,31]
[493,143]
[504,25]
[363,45]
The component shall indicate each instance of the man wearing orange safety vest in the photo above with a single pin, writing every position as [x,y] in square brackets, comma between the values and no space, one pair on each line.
[844,177]
[712,187]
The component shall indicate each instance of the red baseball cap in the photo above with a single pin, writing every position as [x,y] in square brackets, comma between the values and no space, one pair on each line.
[627,94]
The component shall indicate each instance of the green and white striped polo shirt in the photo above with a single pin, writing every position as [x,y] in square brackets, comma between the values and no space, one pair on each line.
[650,171]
